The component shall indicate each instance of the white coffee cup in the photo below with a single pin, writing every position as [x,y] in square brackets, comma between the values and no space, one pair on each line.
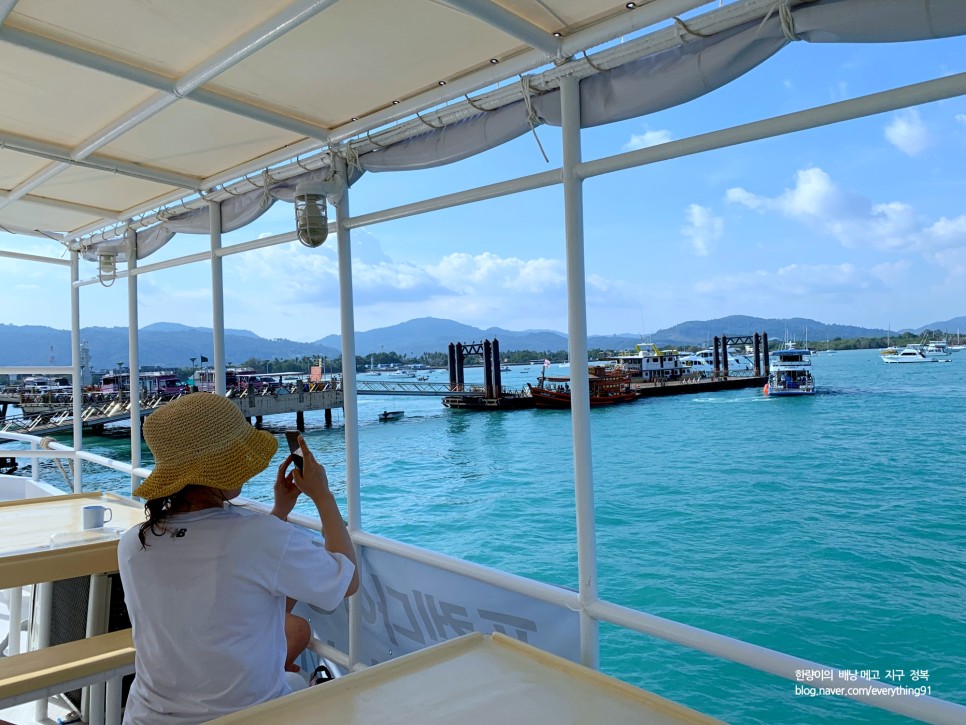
[96,516]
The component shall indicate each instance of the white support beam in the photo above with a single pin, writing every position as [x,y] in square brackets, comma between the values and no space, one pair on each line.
[502,19]
[70,206]
[57,153]
[32,257]
[892,100]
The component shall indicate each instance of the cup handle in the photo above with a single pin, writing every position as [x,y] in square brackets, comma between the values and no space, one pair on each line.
[109,514]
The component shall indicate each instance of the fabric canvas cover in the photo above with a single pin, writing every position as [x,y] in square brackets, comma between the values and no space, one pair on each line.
[698,65]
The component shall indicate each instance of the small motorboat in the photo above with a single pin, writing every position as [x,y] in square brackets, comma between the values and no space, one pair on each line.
[391,415]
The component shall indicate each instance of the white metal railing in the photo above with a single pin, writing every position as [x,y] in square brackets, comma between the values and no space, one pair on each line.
[884,696]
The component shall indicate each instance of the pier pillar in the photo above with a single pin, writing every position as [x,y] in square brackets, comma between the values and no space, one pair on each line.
[452,366]
[459,366]
[258,422]
[3,411]
[300,420]
[766,367]
[716,356]
[487,370]
[757,354]
[328,417]
[724,355]
[497,374]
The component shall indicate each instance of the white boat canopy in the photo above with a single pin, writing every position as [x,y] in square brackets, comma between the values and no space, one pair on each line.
[121,114]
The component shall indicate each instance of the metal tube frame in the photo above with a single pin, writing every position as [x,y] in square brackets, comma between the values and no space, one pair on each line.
[350,406]
[77,404]
[930,709]
[217,299]
[134,355]
[579,380]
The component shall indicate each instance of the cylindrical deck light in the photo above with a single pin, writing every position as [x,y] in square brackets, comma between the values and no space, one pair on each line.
[311,221]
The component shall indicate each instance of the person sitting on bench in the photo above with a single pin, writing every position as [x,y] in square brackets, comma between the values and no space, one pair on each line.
[209,586]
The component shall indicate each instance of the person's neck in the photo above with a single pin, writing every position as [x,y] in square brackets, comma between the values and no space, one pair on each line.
[198,498]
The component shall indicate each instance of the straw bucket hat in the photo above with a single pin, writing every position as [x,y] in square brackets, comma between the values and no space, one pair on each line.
[202,439]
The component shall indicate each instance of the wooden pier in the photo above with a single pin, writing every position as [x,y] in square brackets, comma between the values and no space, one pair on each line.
[97,414]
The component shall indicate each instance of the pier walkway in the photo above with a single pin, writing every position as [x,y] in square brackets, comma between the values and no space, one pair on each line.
[43,415]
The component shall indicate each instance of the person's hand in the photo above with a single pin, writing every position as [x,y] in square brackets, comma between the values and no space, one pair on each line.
[311,480]
[286,492]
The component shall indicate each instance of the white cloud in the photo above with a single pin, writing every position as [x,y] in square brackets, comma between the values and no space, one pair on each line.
[891,274]
[854,220]
[960,118]
[703,228]
[648,138]
[908,133]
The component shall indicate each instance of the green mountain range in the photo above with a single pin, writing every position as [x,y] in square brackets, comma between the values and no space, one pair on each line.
[173,345]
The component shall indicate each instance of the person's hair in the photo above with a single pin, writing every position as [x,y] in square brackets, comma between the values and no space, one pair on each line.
[158,510]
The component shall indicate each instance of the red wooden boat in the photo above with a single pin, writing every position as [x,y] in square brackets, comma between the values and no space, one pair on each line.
[607,387]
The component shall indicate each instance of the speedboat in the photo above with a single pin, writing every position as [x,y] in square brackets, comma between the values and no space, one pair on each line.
[907,355]
[937,349]
[120,130]
[791,373]
[391,415]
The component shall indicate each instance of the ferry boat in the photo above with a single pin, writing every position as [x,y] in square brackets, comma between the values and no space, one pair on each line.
[649,364]
[168,132]
[791,372]
[607,387]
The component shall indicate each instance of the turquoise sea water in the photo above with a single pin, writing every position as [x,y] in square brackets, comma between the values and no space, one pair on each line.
[829,527]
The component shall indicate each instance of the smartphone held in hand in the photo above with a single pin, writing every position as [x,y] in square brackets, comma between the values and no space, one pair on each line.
[292,436]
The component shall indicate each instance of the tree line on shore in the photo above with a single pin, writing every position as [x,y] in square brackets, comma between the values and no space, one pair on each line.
[330,366]
[523,357]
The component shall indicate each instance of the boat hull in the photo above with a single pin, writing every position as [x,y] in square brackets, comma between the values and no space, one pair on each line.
[561,399]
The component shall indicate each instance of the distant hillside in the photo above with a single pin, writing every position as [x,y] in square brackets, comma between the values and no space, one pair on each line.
[173,345]
[164,344]
[697,332]
[952,327]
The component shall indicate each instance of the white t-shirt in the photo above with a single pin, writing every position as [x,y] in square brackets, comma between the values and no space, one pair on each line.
[207,608]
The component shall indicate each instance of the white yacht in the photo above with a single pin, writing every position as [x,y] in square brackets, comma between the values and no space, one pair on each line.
[791,372]
[736,360]
[910,354]
[126,123]
[937,349]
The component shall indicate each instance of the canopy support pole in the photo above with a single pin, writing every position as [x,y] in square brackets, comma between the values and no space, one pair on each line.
[76,380]
[134,353]
[217,299]
[350,400]
[579,378]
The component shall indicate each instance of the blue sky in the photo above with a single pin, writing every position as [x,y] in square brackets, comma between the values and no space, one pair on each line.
[863,223]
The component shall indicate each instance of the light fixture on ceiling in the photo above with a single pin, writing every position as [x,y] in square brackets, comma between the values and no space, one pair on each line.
[311,221]
[494,61]
[107,267]
[630,6]
[442,83]
[558,34]
[395,103]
